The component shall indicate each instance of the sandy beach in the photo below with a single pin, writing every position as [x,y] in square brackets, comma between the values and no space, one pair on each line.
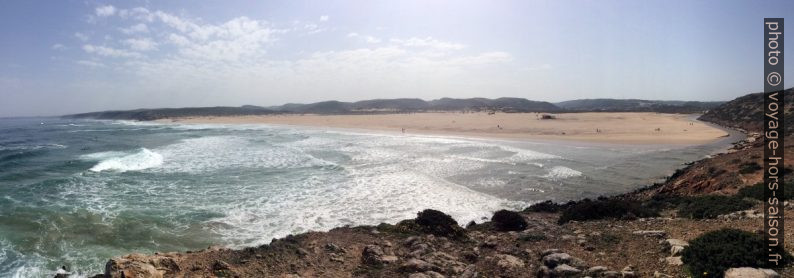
[605,127]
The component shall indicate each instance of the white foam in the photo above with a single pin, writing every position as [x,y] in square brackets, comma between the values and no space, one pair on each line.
[32,147]
[369,195]
[561,172]
[143,159]
[102,155]
[231,152]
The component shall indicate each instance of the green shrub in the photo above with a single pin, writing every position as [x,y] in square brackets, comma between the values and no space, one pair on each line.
[710,206]
[605,209]
[505,220]
[438,223]
[714,252]
[756,191]
[545,206]
[750,167]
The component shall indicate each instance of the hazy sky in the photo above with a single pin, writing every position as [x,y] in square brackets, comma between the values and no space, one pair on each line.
[61,57]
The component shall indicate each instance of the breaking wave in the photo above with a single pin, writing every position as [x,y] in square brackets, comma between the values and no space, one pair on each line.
[143,159]
[560,172]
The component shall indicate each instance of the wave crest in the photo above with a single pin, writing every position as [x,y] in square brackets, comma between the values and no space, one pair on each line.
[560,172]
[132,162]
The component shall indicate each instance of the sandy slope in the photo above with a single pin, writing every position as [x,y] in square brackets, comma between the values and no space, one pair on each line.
[631,128]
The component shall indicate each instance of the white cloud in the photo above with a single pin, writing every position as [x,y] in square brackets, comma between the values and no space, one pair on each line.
[105,10]
[233,56]
[109,52]
[81,36]
[428,42]
[324,18]
[89,63]
[312,28]
[144,44]
[139,13]
[137,28]
[58,46]
[178,40]
[368,39]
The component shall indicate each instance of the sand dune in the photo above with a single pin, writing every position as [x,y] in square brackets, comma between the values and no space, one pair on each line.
[624,128]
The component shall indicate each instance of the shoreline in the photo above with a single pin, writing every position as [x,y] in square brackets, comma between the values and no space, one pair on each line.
[634,128]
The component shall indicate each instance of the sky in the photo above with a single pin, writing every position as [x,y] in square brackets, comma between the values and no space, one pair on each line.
[60,57]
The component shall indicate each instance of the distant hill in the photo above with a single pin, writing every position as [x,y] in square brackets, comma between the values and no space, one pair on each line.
[637,105]
[418,105]
[407,105]
[154,114]
[747,112]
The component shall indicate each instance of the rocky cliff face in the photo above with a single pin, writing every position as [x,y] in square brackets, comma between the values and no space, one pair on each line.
[747,112]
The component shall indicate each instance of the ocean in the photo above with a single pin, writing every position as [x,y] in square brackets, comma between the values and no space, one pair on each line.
[78,192]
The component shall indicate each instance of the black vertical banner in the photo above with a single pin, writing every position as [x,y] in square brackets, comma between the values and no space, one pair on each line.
[773,139]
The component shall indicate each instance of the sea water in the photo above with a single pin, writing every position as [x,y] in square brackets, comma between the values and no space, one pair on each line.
[78,192]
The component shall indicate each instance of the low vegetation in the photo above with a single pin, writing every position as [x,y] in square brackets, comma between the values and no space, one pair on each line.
[545,206]
[756,191]
[712,253]
[505,220]
[605,208]
[710,206]
[750,167]
[438,223]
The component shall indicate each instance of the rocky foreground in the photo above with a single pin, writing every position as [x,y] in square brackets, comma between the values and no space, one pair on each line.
[644,247]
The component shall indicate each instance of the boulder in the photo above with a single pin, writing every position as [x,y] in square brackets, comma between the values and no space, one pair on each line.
[657,274]
[549,252]
[651,233]
[629,271]
[674,261]
[676,242]
[749,272]
[676,246]
[139,265]
[505,261]
[417,265]
[470,272]
[552,260]
[372,255]
[594,271]
[676,251]
[545,272]
[565,270]
[333,248]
